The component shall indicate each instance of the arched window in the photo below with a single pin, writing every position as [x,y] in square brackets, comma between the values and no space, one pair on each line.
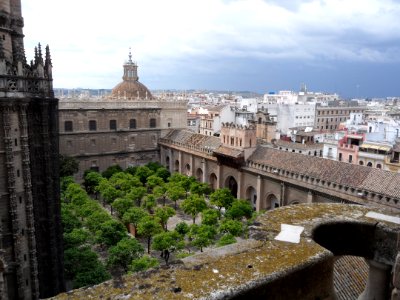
[379,166]
[369,164]
[132,123]
[361,163]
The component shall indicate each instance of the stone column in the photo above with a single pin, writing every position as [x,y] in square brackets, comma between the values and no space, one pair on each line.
[204,168]
[180,162]
[240,192]
[310,197]
[171,161]
[377,282]
[259,193]
[282,197]
[192,168]
[219,179]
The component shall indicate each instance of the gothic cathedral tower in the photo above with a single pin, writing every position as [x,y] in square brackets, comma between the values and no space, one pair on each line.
[30,227]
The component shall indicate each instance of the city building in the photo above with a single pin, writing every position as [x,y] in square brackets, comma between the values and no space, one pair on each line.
[211,121]
[121,129]
[329,117]
[31,246]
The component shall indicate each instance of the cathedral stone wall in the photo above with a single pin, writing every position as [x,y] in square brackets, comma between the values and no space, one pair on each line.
[126,133]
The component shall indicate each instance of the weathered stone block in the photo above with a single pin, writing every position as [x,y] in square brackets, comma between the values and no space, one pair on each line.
[396,272]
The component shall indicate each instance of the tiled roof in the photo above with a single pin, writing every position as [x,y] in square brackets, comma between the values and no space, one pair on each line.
[349,277]
[292,145]
[358,177]
[189,138]
[228,151]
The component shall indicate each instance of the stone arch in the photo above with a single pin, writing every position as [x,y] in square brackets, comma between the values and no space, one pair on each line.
[167,162]
[231,184]
[187,169]
[272,201]
[251,195]
[213,180]
[176,166]
[199,174]
[294,202]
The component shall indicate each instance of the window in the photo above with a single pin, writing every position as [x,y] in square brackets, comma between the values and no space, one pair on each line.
[350,158]
[68,126]
[340,156]
[132,123]
[92,125]
[113,124]
[379,166]
[152,123]
[169,124]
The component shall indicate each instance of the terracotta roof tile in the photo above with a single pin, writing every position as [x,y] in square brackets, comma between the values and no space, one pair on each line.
[350,277]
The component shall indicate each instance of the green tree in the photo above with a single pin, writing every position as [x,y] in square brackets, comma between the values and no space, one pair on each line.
[108,191]
[142,172]
[111,170]
[182,228]
[200,188]
[164,213]
[68,165]
[148,227]
[167,242]
[96,219]
[233,227]
[69,220]
[143,263]
[240,209]
[124,252]
[154,166]
[175,192]
[124,181]
[163,173]
[91,181]
[160,191]
[222,198]
[153,181]
[193,205]
[75,238]
[149,202]
[136,194]
[133,216]
[83,266]
[226,239]
[110,232]
[121,205]
[203,236]
[210,217]
[65,182]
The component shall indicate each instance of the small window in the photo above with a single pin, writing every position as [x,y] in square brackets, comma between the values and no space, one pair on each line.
[68,126]
[132,123]
[92,125]
[153,123]
[113,124]
[169,124]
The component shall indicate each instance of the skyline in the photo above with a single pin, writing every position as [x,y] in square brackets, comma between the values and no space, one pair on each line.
[351,48]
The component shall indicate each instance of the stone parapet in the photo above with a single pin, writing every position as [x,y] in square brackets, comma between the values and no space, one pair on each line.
[264,267]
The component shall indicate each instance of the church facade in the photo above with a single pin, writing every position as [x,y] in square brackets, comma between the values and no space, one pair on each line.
[120,129]
[31,250]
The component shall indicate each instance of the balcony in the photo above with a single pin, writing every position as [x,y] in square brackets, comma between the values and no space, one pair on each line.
[295,265]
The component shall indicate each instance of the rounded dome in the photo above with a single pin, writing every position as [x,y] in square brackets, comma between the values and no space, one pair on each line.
[131,90]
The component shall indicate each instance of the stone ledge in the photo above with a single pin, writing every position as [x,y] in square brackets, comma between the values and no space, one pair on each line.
[260,267]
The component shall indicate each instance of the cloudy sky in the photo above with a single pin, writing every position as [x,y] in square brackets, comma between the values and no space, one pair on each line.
[351,47]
